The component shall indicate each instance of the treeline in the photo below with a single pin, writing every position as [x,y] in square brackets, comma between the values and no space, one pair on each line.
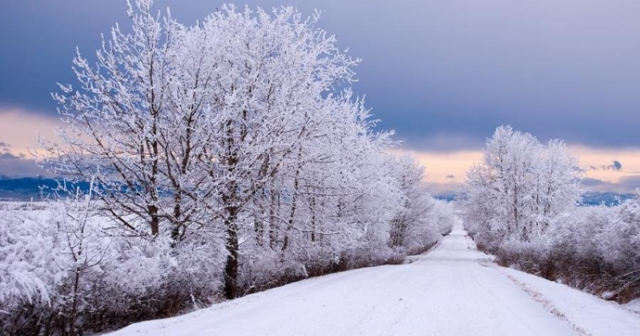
[523,206]
[224,158]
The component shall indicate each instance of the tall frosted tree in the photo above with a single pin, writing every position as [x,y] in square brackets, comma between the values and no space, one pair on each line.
[183,127]
[520,187]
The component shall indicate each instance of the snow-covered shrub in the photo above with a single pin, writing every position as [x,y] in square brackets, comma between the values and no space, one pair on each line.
[620,242]
[532,256]
[619,247]
[29,271]
[64,268]
[595,249]
[444,216]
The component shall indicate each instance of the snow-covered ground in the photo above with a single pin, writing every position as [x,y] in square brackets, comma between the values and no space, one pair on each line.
[453,290]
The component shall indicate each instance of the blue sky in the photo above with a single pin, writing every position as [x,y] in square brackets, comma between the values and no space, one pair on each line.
[442,73]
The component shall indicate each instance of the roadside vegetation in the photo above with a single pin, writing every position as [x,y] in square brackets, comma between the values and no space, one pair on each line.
[524,207]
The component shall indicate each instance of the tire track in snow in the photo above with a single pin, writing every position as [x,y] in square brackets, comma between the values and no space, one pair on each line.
[530,291]
[546,303]
[503,306]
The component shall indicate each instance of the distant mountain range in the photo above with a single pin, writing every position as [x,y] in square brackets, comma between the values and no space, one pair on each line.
[33,188]
[606,198]
[448,196]
[28,188]
[588,199]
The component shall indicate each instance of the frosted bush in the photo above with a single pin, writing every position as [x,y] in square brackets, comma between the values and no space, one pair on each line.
[29,258]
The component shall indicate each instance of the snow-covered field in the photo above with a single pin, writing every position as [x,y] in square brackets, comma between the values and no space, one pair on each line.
[453,290]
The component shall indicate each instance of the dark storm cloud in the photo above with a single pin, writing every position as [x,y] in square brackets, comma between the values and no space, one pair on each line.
[443,73]
[615,166]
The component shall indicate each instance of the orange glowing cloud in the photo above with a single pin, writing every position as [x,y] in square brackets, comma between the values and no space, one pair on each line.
[18,132]
[19,129]
[446,171]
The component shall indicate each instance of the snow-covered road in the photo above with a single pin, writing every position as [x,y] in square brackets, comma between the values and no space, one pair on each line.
[453,290]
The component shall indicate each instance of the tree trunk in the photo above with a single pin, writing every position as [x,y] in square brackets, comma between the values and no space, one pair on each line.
[273,211]
[231,290]
[74,304]
[155,220]
[313,219]
[292,214]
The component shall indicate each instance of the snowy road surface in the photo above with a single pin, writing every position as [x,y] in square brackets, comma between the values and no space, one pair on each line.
[452,290]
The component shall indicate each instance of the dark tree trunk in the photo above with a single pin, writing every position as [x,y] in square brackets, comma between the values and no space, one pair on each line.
[273,220]
[231,290]
[155,220]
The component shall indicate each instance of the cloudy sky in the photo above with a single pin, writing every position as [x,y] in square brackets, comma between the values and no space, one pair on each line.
[442,73]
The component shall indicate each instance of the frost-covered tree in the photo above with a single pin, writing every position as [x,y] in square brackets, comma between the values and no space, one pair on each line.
[183,126]
[136,125]
[274,90]
[409,227]
[520,188]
